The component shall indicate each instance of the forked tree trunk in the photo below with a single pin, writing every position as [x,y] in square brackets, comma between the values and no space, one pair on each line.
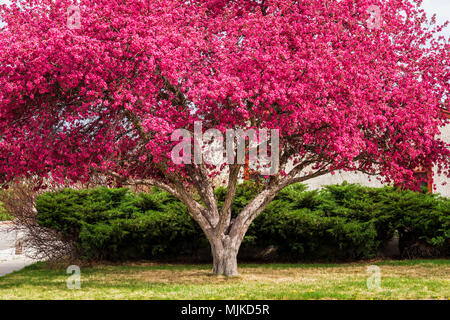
[225,234]
[225,247]
[225,258]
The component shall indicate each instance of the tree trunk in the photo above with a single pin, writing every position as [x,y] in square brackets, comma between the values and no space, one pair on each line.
[225,258]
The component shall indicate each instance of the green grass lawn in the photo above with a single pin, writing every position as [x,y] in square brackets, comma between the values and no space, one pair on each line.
[417,279]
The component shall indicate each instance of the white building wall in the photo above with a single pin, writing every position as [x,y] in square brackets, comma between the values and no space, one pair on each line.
[340,176]
[365,180]
[440,179]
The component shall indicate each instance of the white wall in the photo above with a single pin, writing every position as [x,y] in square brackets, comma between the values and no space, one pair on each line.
[339,177]
[440,179]
[366,180]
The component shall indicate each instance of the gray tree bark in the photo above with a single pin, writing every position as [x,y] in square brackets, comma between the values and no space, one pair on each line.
[225,257]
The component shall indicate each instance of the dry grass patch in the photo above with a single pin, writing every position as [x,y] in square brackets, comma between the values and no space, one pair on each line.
[289,275]
[424,279]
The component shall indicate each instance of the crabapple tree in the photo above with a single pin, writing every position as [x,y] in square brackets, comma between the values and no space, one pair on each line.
[99,87]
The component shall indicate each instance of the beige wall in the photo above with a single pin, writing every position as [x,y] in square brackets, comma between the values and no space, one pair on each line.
[339,177]
[440,179]
[365,180]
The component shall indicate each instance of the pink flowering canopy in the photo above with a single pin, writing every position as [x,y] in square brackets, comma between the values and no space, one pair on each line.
[347,91]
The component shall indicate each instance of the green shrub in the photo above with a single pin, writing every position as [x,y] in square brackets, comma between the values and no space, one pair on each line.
[4,216]
[422,220]
[115,224]
[340,222]
[299,223]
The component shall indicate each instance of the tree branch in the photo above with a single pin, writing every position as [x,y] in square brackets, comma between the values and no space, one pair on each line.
[205,189]
[225,212]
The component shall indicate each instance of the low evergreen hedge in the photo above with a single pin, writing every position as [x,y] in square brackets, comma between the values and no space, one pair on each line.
[4,216]
[340,222]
